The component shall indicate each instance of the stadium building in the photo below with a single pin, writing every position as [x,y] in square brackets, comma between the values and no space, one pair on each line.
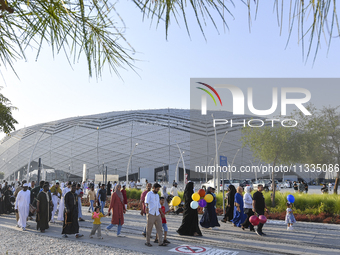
[153,144]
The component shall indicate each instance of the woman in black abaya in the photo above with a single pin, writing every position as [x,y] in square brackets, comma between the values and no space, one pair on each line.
[209,218]
[189,225]
[229,211]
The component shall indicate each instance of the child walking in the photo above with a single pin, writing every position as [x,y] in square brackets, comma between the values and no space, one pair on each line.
[96,216]
[290,219]
[164,225]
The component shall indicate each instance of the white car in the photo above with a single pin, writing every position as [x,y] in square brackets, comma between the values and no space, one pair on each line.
[263,183]
[236,183]
[226,185]
[277,186]
[284,185]
[210,184]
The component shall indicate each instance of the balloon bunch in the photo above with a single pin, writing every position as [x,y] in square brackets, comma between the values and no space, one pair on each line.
[256,220]
[200,199]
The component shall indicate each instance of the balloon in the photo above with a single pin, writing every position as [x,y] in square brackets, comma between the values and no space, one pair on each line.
[290,198]
[195,197]
[209,198]
[202,203]
[201,192]
[263,219]
[194,204]
[254,220]
[176,201]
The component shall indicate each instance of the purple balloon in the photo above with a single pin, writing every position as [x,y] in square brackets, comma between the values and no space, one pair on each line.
[202,203]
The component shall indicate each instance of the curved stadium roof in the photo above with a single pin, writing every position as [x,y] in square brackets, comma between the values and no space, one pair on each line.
[106,140]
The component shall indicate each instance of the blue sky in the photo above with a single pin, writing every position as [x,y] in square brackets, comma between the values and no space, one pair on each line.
[49,89]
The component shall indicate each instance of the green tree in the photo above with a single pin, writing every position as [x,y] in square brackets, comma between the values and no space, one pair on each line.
[7,121]
[273,145]
[321,137]
[89,28]
[2,175]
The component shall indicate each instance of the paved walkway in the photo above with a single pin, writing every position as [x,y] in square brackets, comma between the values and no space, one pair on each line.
[308,238]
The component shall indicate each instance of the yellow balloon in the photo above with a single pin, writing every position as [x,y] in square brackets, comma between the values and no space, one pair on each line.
[209,198]
[176,201]
[195,197]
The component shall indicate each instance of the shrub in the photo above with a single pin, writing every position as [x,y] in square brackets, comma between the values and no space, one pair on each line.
[307,207]
[328,220]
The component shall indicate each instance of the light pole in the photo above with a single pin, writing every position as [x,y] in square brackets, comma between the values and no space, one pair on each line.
[216,159]
[257,169]
[182,161]
[127,169]
[232,163]
[206,172]
[30,159]
[217,180]
[226,132]
[176,171]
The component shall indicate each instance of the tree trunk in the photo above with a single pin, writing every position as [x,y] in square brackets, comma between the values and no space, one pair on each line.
[273,182]
[336,183]
[335,190]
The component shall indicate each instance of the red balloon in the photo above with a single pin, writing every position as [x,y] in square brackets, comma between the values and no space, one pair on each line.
[263,219]
[201,192]
[254,220]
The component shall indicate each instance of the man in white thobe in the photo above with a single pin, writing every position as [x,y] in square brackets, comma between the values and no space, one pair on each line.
[22,206]
[56,195]
[62,202]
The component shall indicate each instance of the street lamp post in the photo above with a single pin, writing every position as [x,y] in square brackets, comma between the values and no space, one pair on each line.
[127,169]
[226,132]
[30,159]
[176,171]
[232,163]
[184,172]
[206,172]
[216,159]
[217,180]
[257,169]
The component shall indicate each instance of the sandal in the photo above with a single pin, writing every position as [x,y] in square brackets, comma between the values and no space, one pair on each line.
[148,244]
[163,244]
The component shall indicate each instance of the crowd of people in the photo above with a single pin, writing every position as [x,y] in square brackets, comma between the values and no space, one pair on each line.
[300,187]
[65,201]
[325,189]
[239,207]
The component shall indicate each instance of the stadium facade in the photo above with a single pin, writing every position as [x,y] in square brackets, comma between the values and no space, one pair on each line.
[108,141]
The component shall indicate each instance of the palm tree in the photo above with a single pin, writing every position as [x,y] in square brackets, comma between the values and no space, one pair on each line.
[79,27]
